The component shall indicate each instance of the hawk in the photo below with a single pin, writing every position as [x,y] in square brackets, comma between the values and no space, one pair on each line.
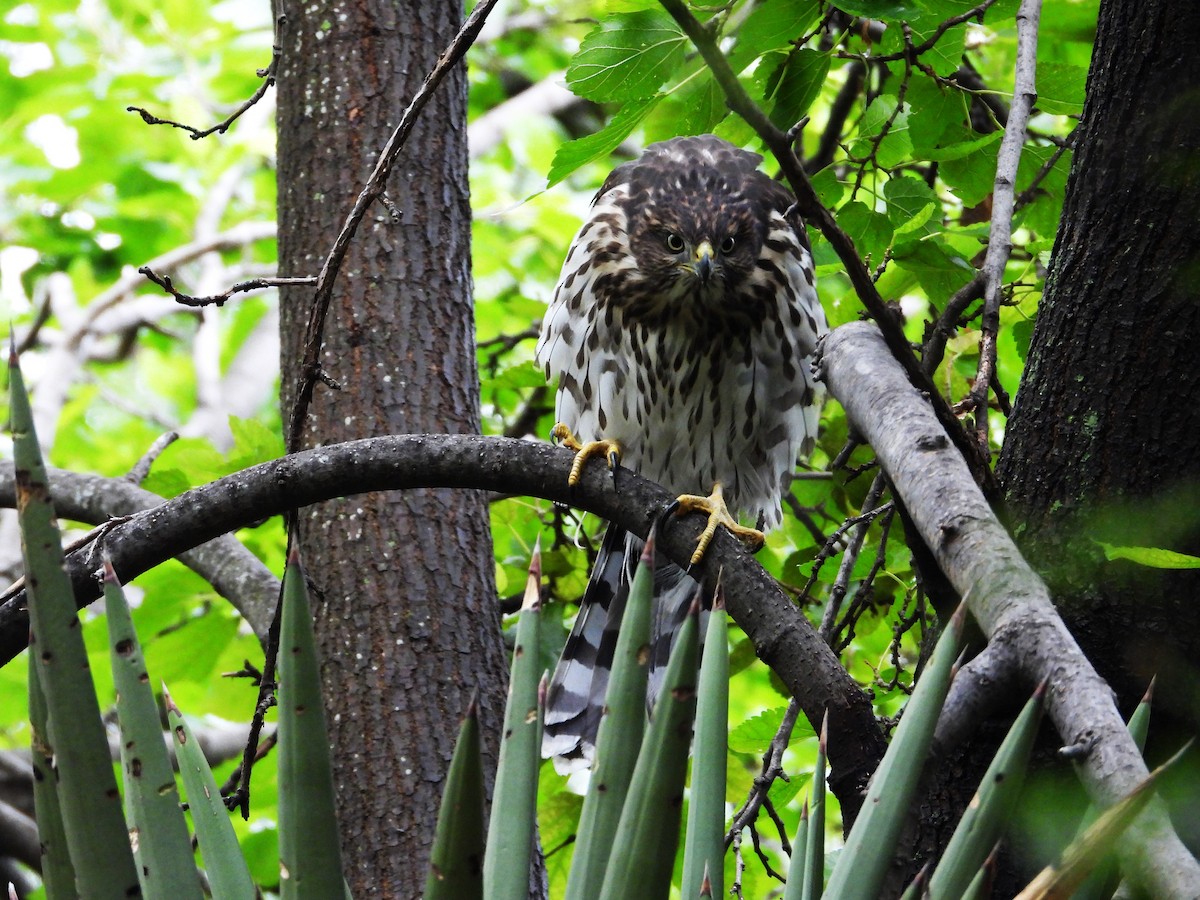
[680,333]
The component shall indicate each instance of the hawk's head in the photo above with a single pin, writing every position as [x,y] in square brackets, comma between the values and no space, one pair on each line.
[697,213]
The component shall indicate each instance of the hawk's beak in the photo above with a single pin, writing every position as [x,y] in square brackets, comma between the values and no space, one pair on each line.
[704,261]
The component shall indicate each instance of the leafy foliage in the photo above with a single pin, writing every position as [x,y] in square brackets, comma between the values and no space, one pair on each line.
[902,150]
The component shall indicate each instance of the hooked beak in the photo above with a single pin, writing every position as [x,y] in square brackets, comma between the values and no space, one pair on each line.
[703,261]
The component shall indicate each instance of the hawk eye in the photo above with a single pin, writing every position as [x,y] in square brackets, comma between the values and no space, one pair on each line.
[674,242]
[728,244]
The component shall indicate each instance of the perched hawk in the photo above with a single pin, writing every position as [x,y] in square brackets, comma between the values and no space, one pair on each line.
[680,333]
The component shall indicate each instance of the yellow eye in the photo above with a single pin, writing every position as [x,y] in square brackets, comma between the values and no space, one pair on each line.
[728,244]
[674,242]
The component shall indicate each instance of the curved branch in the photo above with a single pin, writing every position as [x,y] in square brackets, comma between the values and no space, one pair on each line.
[782,636]
[233,571]
[1007,598]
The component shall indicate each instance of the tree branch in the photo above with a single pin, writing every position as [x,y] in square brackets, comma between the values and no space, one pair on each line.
[1000,236]
[782,636]
[1007,598]
[233,571]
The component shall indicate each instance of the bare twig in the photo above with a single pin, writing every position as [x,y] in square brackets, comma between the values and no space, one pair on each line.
[837,593]
[310,369]
[267,75]
[1000,238]
[772,768]
[139,472]
[254,284]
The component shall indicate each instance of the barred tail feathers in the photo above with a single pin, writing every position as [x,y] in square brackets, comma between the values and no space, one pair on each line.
[575,701]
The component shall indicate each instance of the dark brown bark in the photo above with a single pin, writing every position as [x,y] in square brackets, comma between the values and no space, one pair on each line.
[1104,440]
[404,596]
[1105,435]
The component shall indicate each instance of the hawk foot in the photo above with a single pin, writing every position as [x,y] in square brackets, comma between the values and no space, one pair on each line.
[718,514]
[585,451]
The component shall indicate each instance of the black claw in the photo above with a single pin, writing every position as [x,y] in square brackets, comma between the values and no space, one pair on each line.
[668,512]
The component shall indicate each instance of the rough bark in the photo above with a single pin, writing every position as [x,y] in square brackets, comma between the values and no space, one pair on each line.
[403,583]
[1105,435]
[782,636]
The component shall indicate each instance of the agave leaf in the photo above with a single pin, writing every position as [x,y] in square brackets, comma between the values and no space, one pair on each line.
[514,798]
[704,845]
[90,804]
[619,737]
[814,849]
[795,876]
[58,875]
[456,866]
[310,855]
[980,887]
[1062,878]
[158,830]
[991,807]
[643,855]
[223,860]
[916,887]
[864,860]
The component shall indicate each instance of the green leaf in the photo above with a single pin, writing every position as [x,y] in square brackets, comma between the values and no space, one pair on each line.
[754,735]
[888,10]
[580,152]
[796,84]
[773,24]
[871,231]
[1152,557]
[627,57]
[910,203]
[881,118]
[1060,88]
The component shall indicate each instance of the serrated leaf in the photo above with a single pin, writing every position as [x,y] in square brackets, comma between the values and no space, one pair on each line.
[1060,88]
[962,149]
[580,152]
[754,734]
[1152,557]
[910,203]
[627,57]
[871,231]
[881,118]
[888,10]
[772,25]
[796,84]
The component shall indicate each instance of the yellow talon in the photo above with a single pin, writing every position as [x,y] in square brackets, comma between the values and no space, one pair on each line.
[585,451]
[718,514]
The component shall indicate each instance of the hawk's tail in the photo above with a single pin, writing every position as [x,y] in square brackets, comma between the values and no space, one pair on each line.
[575,699]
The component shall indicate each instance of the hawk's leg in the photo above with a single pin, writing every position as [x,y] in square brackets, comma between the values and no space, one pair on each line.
[585,451]
[718,514]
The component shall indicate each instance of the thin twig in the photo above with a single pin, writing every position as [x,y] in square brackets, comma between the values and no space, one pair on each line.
[1026,196]
[1000,237]
[837,593]
[772,768]
[254,284]
[141,469]
[268,81]
[310,369]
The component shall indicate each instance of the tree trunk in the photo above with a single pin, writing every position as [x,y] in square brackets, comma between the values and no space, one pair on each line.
[1104,439]
[1105,436]
[403,584]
